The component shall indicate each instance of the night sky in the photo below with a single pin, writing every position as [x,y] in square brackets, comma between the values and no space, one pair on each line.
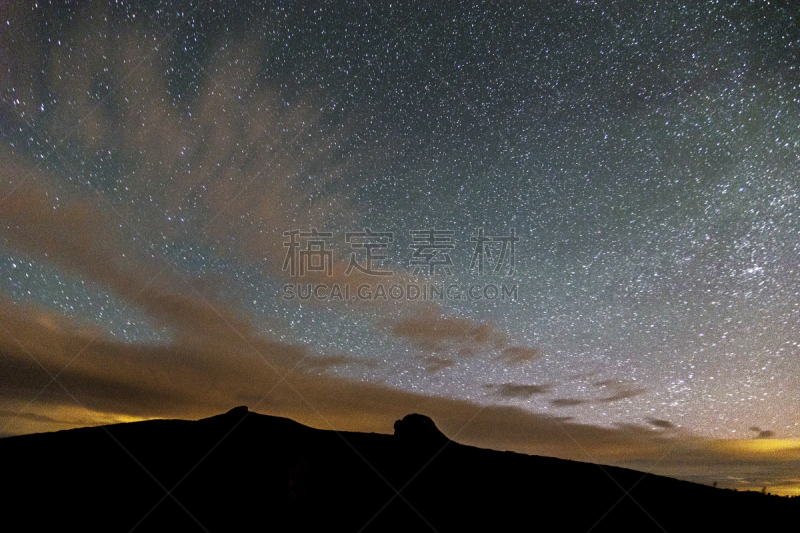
[646,156]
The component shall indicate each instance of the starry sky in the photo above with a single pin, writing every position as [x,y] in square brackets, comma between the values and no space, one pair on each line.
[645,156]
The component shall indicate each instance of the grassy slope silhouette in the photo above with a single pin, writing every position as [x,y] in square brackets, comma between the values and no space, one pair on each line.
[274,474]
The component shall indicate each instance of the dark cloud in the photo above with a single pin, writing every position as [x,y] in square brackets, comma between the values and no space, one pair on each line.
[515,390]
[616,390]
[661,423]
[622,394]
[519,354]
[613,383]
[762,433]
[619,390]
[567,402]
[434,363]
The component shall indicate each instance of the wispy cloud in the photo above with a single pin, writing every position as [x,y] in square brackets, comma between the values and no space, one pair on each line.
[450,338]
[515,390]
[612,391]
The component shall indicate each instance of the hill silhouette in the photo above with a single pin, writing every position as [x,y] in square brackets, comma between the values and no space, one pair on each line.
[242,471]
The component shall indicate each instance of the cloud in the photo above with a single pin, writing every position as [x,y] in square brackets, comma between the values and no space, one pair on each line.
[616,390]
[4,413]
[567,402]
[664,424]
[437,333]
[236,166]
[82,238]
[515,390]
[73,235]
[622,394]
[108,376]
[431,332]
[762,433]
[619,390]
[610,383]
[520,354]
[434,363]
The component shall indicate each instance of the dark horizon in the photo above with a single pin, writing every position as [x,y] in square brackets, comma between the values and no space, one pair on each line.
[243,470]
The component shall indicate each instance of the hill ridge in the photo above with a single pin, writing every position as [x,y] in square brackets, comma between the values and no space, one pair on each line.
[242,470]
